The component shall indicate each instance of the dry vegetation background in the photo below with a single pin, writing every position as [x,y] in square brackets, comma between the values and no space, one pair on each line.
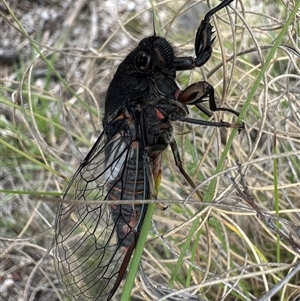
[57,59]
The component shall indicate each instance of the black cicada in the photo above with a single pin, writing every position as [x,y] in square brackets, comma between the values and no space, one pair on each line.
[93,244]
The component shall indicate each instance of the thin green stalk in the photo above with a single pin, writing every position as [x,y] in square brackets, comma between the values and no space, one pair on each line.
[276,198]
[184,248]
[193,256]
[32,193]
[29,157]
[135,261]
[156,27]
[44,118]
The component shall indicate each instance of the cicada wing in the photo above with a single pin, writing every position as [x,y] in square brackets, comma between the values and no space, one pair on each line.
[87,249]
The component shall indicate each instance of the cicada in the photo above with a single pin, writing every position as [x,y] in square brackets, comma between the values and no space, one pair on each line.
[94,243]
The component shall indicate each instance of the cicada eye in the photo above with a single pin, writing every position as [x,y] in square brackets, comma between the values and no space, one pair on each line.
[143,62]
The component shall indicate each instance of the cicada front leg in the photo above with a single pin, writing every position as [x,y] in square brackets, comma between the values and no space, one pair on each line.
[202,91]
[203,42]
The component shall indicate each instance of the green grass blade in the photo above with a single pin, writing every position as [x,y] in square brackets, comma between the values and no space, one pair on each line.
[135,261]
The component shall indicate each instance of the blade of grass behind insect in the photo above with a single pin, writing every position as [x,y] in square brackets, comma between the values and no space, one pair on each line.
[276,199]
[209,194]
[16,150]
[156,27]
[44,118]
[135,261]
[193,256]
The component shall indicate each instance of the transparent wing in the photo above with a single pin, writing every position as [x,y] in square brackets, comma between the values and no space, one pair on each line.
[91,241]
